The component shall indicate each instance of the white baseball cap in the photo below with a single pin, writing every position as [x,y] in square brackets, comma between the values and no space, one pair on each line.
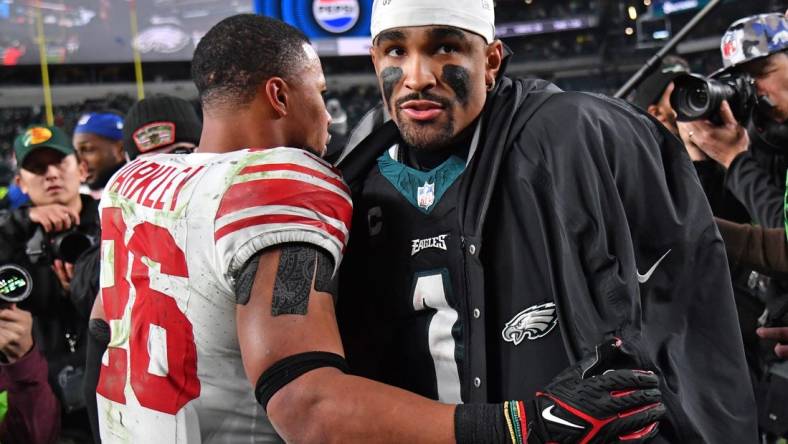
[477,16]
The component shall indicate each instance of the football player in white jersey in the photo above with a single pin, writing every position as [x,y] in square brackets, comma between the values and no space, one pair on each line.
[179,230]
[219,265]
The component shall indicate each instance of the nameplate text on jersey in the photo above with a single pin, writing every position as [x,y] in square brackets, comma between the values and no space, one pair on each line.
[151,184]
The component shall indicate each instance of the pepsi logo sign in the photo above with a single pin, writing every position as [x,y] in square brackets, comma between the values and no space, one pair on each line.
[336,16]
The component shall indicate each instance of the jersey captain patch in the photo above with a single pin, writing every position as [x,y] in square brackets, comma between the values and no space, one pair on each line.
[533,323]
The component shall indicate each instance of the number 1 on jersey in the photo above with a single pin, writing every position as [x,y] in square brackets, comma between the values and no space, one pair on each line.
[429,292]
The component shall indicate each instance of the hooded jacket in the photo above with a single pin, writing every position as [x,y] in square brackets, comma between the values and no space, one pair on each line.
[593,204]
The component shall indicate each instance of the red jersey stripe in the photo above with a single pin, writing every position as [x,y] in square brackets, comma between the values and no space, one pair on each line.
[290,192]
[297,168]
[279,219]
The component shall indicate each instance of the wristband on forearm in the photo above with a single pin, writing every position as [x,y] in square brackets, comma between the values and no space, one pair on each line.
[491,423]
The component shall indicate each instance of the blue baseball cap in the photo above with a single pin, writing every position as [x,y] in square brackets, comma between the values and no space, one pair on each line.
[106,125]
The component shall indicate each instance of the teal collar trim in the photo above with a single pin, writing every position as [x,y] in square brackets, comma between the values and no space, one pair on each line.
[423,189]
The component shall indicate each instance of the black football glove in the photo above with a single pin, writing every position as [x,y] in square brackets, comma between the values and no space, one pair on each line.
[598,400]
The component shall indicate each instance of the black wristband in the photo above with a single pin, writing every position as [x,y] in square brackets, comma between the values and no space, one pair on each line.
[480,424]
[100,330]
[290,368]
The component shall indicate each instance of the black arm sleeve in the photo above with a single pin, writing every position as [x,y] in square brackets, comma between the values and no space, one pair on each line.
[754,188]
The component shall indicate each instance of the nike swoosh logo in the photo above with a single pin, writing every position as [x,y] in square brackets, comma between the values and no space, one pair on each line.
[643,278]
[548,415]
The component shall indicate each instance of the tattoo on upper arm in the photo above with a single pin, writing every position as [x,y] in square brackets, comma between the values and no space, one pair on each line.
[298,264]
[324,274]
[245,280]
[293,280]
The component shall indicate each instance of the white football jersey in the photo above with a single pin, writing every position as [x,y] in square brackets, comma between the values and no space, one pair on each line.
[175,230]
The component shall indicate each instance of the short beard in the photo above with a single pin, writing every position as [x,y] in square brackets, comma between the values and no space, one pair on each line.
[422,136]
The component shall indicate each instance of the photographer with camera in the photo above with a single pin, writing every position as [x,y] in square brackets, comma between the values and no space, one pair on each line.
[654,96]
[46,239]
[739,118]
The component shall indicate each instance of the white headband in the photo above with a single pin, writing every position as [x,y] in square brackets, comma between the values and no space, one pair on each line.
[477,16]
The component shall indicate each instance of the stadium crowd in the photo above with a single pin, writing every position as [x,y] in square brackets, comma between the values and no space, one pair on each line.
[693,350]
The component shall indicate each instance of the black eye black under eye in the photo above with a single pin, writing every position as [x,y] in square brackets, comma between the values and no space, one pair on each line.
[458,79]
[390,77]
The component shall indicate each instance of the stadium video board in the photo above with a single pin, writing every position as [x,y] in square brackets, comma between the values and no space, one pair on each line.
[661,8]
[335,27]
[99,31]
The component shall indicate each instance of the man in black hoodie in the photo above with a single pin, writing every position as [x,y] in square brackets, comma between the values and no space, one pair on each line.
[503,228]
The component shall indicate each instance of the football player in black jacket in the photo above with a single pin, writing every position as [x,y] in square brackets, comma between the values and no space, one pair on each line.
[543,264]
[500,234]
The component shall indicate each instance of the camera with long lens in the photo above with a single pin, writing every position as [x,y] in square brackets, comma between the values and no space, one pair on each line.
[15,284]
[67,246]
[696,97]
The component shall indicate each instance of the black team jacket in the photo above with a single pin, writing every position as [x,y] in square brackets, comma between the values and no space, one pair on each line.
[572,195]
